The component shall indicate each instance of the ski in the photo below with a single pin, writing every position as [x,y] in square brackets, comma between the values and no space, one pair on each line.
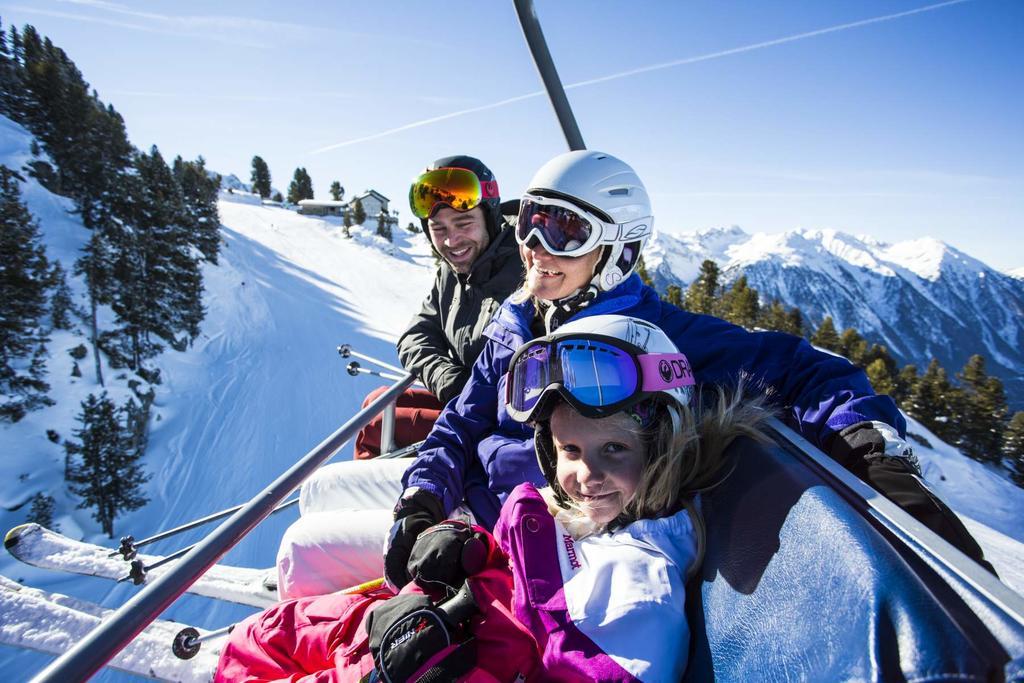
[52,623]
[41,547]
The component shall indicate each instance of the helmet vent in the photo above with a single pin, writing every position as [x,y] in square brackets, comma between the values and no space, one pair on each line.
[618,191]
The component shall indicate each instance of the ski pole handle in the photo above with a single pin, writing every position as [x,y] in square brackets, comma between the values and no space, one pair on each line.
[345,350]
[354,369]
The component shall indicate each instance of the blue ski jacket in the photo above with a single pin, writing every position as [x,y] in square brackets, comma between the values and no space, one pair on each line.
[476,453]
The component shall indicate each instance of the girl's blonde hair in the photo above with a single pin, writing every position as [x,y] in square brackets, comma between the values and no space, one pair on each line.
[686,449]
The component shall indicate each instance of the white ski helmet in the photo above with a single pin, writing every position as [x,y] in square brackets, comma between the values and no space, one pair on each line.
[610,190]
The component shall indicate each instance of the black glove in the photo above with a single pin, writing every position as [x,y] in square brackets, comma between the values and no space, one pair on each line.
[407,631]
[860,448]
[413,515]
[445,555]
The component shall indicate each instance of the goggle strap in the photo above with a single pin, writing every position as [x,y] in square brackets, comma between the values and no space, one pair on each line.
[662,371]
[489,189]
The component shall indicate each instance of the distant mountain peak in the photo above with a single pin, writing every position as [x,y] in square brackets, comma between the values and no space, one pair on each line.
[922,298]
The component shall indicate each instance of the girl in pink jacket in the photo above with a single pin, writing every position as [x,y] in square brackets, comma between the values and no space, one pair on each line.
[582,580]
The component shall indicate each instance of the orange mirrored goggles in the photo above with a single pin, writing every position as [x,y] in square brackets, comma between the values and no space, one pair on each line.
[458,188]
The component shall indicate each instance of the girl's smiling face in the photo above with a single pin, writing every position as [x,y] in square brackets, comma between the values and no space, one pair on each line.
[599,461]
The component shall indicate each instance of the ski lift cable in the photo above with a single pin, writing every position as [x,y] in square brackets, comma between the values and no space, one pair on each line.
[96,649]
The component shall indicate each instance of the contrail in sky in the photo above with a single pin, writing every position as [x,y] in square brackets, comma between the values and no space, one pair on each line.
[645,69]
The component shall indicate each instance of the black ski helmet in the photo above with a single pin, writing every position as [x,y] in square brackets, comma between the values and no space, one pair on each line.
[491,205]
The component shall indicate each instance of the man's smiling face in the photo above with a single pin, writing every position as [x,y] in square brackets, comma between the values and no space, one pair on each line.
[459,237]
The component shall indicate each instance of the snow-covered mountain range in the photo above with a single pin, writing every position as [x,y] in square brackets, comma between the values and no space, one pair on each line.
[920,298]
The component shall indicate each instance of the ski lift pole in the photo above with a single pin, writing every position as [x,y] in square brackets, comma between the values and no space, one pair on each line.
[546,66]
[91,653]
[387,428]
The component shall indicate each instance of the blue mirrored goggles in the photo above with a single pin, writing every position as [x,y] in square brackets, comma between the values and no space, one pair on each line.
[598,376]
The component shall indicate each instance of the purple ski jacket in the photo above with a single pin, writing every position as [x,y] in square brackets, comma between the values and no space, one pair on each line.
[606,607]
[476,453]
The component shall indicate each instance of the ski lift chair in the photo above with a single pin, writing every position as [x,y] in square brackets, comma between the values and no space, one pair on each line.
[804,580]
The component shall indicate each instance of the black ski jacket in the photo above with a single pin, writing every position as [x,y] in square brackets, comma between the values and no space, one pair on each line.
[444,339]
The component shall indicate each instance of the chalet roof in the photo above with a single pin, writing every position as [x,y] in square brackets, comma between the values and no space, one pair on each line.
[376,194]
[322,202]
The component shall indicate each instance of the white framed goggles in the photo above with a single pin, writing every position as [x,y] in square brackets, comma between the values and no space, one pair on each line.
[567,229]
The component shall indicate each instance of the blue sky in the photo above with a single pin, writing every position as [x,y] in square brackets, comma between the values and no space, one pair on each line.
[895,119]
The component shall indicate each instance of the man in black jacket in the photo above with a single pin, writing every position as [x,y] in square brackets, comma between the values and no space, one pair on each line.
[457,201]
[480,267]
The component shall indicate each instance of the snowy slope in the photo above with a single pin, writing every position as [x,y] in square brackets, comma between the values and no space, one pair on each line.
[263,384]
[920,298]
[260,387]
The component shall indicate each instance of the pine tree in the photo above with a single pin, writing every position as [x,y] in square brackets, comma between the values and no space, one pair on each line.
[260,177]
[825,337]
[853,346]
[773,316]
[103,467]
[906,385]
[10,79]
[337,191]
[795,322]
[1013,448]
[41,511]
[24,279]
[301,186]
[740,305]
[673,295]
[936,403]
[412,227]
[703,293]
[62,305]
[641,270]
[881,379]
[199,193]
[278,197]
[984,412]
[383,226]
[358,212]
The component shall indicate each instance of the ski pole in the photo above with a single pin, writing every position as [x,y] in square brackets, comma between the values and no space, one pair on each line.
[129,546]
[138,570]
[187,642]
[354,369]
[345,350]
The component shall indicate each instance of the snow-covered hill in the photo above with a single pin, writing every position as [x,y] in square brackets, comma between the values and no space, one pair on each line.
[920,298]
[263,384]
